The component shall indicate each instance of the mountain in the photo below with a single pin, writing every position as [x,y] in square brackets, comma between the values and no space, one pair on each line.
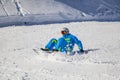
[18,12]
[36,12]
[95,7]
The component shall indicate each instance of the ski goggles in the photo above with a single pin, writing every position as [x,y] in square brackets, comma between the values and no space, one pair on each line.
[63,32]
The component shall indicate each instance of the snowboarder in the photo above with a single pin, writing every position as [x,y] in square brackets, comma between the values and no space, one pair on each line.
[65,43]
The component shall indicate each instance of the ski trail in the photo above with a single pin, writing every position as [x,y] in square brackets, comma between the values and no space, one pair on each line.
[19,8]
[4,8]
[21,11]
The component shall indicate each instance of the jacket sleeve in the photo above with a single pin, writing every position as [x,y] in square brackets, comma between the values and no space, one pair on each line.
[78,42]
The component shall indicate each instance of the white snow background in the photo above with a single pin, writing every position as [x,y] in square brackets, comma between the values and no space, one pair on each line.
[18,61]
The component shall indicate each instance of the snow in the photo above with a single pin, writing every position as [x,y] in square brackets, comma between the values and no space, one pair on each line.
[19,12]
[27,12]
[19,62]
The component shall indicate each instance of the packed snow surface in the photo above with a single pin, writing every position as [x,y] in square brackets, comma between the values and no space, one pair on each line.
[18,61]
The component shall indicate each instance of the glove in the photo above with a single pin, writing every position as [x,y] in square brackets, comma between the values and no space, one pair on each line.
[81,50]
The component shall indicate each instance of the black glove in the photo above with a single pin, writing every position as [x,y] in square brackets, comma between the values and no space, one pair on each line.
[81,50]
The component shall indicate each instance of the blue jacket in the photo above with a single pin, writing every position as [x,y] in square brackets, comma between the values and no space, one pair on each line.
[67,42]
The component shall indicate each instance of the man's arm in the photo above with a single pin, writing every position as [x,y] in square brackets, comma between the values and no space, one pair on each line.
[79,43]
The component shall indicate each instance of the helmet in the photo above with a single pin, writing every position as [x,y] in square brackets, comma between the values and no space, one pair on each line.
[66,30]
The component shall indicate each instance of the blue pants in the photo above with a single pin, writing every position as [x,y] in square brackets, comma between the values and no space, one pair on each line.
[51,44]
[59,44]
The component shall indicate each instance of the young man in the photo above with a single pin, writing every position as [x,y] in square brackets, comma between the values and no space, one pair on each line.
[65,43]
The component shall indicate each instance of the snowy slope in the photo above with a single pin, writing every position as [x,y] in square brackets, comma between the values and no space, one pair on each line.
[19,62]
[36,12]
[35,7]
[21,12]
[95,7]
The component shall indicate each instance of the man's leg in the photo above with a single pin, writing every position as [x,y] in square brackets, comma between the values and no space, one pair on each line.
[61,43]
[51,44]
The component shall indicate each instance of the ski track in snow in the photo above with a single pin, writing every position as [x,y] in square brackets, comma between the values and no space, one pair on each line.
[5,10]
[19,62]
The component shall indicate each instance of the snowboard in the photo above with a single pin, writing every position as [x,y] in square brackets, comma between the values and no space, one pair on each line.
[44,50]
[54,51]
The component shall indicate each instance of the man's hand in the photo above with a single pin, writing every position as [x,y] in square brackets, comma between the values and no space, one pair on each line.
[81,50]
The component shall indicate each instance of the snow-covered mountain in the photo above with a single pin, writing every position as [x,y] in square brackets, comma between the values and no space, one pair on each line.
[24,7]
[95,7]
[36,11]
[50,11]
